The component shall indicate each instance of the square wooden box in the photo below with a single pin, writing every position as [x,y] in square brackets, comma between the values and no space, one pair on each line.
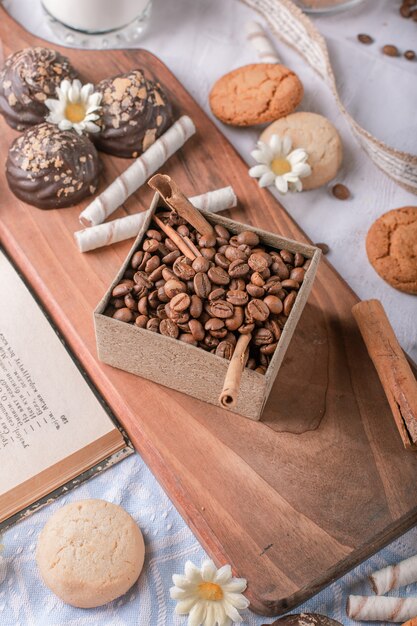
[187,368]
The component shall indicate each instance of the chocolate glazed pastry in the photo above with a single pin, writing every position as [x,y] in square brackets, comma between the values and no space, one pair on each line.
[50,168]
[135,111]
[27,79]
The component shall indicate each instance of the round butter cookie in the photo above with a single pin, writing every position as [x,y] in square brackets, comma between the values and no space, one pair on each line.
[255,94]
[90,552]
[318,137]
[391,246]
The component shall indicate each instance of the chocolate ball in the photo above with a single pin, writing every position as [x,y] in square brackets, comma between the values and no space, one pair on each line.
[27,79]
[51,168]
[135,111]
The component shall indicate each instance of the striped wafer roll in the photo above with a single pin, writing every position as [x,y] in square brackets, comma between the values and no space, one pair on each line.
[394,576]
[255,33]
[381,608]
[129,226]
[136,174]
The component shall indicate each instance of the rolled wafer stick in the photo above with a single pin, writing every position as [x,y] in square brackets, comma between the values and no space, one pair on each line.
[381,608]
[230,391]
[411,622]
[129,226]
[394,576]
[175,237]
[176,200]
[393,369]
[136,174]
[255,33]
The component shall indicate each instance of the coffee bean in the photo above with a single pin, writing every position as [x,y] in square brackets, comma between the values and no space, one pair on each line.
[390,50]
[218,276]
[171,245]
[130,302]
[233,323]
[290,284]
[152,264]
[173,286]
[222,309]
[248,237]
[262,336]
[255,291]
[168,328]
[182,269]
[289,303]
[233,254]
[188,338]
[121,290]
[123,315]
[196,329]
[341,192]
[287,256]
[257,262]
[210,341]
[237,297]
[207,241]
[257,279]
[274,304]
[323,247]
[196,306]
[222,232]
[273,285]
[169,258]
[217,294]
[221,261]
[366,39]
[214,323]
[202,284]
[201,264]
[160,312]
[279,268]
[136,259]
[298,274]
[150,245]
[405,10]
[238,268]
[237,283]
[183,230]
[156,275]
[142,279]
[180,302]
[141,321]
[298,259]
[208,253]
[410,55]
[246,328]
[257,310]
[268,349]
[143,305]
[225,349]
[272,325]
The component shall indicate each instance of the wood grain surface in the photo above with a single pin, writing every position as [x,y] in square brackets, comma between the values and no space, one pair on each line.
[322,481]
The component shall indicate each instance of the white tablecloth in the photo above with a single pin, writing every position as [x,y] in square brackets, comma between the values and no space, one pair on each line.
[199,40]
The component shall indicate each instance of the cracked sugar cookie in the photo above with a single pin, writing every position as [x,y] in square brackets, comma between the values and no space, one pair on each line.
[90,552]
[318,137]
[391,246]
[255,94]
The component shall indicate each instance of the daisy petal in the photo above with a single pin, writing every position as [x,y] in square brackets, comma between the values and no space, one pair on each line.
[232,612]
[281,184]
[181,594]
[224,575]
[276,144]
[298,156]
[267,179]
[192,572]
[86,91]
[197,614]
[185,606]
[91,127]
[286,145]
[182,581]
[236,585]
[64,88]
[53,105]
[298,185]
[258,170]
[208,570]
[65,125]
[238,601]
[74,91]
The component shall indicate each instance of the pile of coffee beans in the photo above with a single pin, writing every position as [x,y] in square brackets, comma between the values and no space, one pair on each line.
[237,286]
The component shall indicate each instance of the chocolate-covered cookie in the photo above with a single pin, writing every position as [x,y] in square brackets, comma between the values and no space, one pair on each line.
[135,111]
[27,79]
[51,168]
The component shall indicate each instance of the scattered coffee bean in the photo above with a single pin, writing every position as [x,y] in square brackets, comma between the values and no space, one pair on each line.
[202,284]
[248,237]
[180,302]
[169,328]
[341,192]
[366,39]
[124,315]
[225,350]
[222,309]
[390,50]
[410,55]
[323,247]
[258,310]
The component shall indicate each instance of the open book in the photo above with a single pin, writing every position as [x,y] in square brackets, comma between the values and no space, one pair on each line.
[52,425]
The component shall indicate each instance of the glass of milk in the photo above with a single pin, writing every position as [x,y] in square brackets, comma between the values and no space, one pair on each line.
[97,16]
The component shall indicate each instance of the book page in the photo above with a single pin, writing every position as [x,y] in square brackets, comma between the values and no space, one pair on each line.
[47,409]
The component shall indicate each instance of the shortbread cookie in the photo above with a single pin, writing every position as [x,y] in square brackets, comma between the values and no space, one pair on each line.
[391,246]
[255,94]
[318,137]
[27,79]
[90,552]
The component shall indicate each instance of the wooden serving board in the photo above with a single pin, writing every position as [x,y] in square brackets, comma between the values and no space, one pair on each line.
[322,481]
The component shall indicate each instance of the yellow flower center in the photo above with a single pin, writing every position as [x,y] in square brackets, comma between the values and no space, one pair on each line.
[210,591]
[280,166]
[75,112]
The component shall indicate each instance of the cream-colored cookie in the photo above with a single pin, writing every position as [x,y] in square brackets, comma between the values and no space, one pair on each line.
[318,137]
[90,552]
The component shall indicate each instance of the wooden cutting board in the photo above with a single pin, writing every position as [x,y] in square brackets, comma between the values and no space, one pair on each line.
[322,481]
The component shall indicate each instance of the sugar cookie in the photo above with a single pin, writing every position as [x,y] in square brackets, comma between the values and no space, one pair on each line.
[254,94]
[318,137]
[90,552]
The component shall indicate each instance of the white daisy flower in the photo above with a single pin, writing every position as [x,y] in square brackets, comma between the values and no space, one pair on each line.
[77,107]
[210,596]
[279,165]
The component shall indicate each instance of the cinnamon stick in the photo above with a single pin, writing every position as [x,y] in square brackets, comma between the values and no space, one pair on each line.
[230,391]
[393,369]
[176,200]
[176,238]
